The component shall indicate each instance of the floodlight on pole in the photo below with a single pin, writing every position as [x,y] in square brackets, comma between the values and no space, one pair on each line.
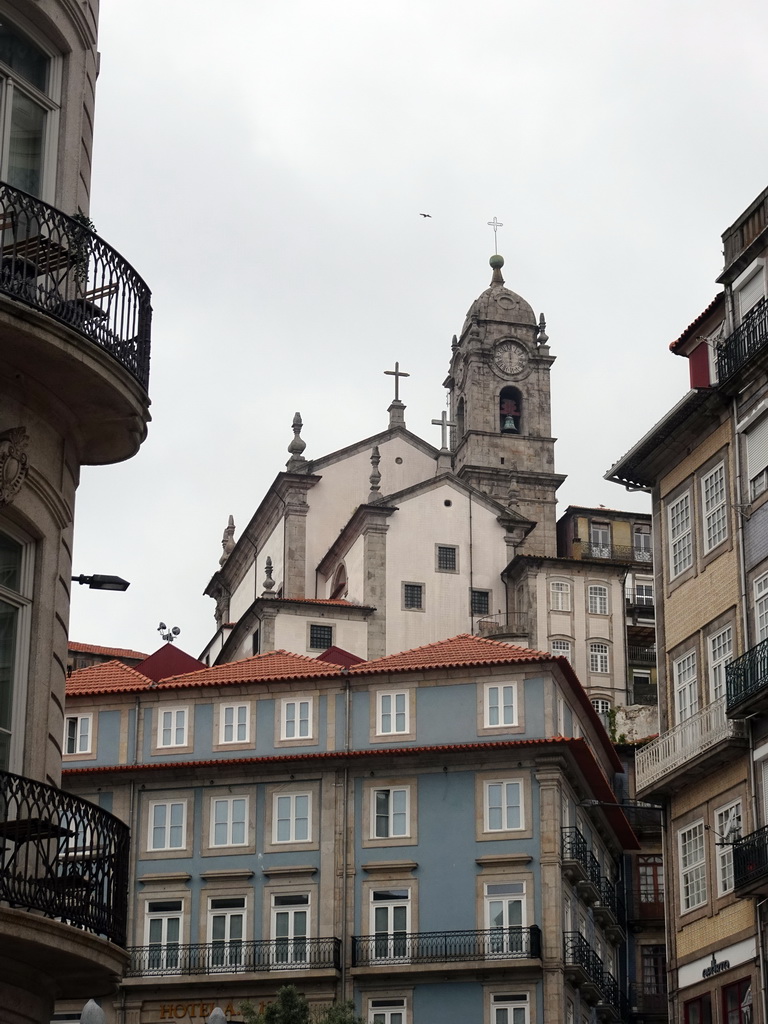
[100,582]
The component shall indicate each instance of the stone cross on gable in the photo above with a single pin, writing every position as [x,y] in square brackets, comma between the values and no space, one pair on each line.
[444,423]
[397,373]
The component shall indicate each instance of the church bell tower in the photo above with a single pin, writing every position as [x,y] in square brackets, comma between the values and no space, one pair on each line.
[499,396]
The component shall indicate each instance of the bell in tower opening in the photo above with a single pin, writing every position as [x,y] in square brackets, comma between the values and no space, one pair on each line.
[510,410]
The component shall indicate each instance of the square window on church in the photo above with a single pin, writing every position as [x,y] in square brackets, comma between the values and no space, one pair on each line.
[413,597]
[320,637]
[446,558]
[480,601]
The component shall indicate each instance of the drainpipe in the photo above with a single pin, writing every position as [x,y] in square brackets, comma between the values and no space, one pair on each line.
[345,938]
[471,568]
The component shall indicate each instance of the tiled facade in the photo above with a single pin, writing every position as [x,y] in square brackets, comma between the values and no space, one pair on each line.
[412,829]
[705,466]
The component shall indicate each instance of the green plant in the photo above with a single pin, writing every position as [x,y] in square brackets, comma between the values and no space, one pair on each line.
[291,1007]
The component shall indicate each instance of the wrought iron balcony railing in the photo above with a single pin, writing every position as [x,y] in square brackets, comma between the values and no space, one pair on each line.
[641,655]
[680,745]
[57,265]
[648,998]
[63,857]
[578,953]
[616,553]
[639,599]
[647,903]
[445,947]
[579,860]
[750,860]
[235,957]
[749,338]
[747,677]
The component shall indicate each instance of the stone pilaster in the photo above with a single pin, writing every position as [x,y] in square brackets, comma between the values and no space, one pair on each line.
[549,781]
[375,581]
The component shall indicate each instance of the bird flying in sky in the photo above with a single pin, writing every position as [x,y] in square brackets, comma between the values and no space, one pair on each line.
[425,215]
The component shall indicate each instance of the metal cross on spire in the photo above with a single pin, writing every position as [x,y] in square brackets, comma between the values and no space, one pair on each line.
[495,224]
[444,423]
[397,373]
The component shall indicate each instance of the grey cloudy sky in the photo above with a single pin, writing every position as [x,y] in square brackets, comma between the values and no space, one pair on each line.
[263,167]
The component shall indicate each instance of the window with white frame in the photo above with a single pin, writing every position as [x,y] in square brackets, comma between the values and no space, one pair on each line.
[446,558]
[714,507]
[500,704]
[598,600]
[686,686]
[172,727]
[77,734]
[756,442]
[600,540]
[562,648]
[290,927]
[643,593]
[511,1008]
[229,821]
[505,918]
[641,542]
[392,713]
[720,654]
[680,536]
[234,723]
[503,806]
[226,930]
[163,922]
[727,831]
[693,871]
[559,596]
[749,289]
[387,1011]
[761,606]
[601,706]
[390,923]
[390,812]
[598,657]
[16,582]
[296,719]
[167,825]
[29,85]
[291,818]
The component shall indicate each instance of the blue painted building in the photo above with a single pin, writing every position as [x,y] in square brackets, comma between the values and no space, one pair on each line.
[428,833]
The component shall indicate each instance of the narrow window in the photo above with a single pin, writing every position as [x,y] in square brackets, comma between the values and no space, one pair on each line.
[226,930]
[727,830]
[480,602]
[510,411]
[560,596]
[720,654]
[390,923]
[390,813]
[77,736]
[172,728]
[598,600]
[297,719]
[641,537]
[229,821]
[686,686]
[693,878]
[167,825]
[761,606]
[503,806]
[291,815]
[715,511]
[500,705]
[598,657]
[680,539]
[163,934]
[392,713]
[290,927]
[234,723]
[600,540]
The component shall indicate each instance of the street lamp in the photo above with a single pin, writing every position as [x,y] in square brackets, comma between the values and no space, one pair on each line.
[98,582]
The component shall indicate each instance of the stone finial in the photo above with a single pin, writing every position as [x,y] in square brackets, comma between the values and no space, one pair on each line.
[297,445]
[542,337]
[217,1016]
[496,262]
[454,343]
[375,476]
[92,1013]
[269,583]
[513,494]
[228,540]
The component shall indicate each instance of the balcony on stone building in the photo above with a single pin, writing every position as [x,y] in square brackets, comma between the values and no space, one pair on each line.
[285,957]
[495,947]
[76,321]
[749,338]
[696,747]
[583,967]
[746,682]
[648,1001]
[504,626]
[579,864]
[627,554]
[64,859]
[750,864]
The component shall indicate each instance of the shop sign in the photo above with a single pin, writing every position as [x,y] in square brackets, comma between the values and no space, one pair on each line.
[716,968]
[189,1011]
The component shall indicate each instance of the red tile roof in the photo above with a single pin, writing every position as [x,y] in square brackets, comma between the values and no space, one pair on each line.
[260,668]
[464,649]
[106,677]
[115,652]
[694,324]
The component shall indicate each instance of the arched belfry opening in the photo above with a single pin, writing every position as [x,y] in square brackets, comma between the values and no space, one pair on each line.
[460,419]
[510,411]
[339,588]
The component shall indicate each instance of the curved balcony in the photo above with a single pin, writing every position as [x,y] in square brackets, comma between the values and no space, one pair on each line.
[58,266]
[62,857]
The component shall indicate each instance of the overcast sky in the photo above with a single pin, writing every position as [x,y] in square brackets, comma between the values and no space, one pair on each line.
[263,167]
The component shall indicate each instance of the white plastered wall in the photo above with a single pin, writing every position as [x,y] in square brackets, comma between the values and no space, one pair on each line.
[292,632]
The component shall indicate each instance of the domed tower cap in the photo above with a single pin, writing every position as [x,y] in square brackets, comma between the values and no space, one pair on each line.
[497,262]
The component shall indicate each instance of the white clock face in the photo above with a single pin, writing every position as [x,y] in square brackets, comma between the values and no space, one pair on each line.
[511,358]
